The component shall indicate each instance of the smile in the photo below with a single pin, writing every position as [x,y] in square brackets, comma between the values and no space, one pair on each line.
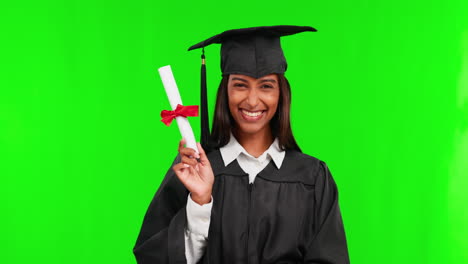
[252,116]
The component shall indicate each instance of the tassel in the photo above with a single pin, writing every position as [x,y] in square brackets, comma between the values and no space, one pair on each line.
[205,128]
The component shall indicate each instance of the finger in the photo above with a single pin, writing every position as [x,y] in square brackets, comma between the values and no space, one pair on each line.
[193,151]
[181,144]
[188,152]
[182,172]
[189,161]
[179,168]
[192,170]
[203,158]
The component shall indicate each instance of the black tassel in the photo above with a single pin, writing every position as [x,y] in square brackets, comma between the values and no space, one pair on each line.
[205,128]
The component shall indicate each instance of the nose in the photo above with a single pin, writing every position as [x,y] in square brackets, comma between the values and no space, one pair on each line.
[252,98]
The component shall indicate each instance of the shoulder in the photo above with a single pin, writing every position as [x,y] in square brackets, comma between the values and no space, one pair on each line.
[216,160]
[301,160]
[308,169]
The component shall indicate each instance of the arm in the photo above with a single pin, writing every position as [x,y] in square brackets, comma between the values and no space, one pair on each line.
[161,238]
[328,242]
[196,232]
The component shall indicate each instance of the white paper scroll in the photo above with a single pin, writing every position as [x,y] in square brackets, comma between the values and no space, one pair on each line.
[174,98]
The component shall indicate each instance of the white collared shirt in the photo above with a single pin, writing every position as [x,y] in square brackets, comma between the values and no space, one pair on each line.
[198,216]
[251,165]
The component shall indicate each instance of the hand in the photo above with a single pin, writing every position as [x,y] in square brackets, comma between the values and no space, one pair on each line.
[196,176]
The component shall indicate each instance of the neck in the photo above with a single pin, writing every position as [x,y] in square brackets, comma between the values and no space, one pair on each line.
[254,144]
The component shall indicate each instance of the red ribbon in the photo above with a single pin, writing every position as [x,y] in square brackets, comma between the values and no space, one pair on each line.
[168,116]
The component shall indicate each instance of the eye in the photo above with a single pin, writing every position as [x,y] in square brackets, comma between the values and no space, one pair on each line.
[267,86]
[240,85]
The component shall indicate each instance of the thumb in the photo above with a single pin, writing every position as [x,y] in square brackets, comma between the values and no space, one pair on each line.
[201,152]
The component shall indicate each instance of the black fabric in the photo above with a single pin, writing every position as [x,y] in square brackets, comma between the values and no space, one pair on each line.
[290,215]
[254,51]
[161,238]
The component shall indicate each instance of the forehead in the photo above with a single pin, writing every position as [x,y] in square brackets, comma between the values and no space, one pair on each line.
[247,78]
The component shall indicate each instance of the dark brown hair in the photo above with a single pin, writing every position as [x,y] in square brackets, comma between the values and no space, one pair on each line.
[280,123]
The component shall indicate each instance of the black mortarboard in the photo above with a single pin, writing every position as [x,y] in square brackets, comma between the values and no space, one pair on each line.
[254,51]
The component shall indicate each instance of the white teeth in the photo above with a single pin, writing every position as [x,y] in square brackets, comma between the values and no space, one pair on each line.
[253,114]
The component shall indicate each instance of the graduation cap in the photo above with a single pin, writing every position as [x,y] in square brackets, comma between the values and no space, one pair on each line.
[254,52]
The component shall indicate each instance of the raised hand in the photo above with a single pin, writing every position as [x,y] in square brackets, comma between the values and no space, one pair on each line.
[196,176]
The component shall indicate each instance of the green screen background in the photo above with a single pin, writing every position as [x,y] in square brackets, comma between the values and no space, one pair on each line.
[380,93]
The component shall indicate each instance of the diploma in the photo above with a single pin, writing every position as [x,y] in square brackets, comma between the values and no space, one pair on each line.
[174,99]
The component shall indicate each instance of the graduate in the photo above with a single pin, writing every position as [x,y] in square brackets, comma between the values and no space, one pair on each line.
[249,195]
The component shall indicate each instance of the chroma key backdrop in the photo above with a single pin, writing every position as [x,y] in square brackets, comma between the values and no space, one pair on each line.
[380,93]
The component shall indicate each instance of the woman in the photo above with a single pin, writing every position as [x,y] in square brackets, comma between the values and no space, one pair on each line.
[255,198]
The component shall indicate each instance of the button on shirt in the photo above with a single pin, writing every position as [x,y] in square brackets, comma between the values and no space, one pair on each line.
[198,216]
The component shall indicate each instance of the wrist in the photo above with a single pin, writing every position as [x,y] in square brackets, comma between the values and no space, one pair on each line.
[201,199]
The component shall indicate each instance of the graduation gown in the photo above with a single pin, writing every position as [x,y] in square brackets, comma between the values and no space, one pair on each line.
[288,215]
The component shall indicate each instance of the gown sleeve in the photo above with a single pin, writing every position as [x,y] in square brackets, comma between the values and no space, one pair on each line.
[161,238]
[327,244]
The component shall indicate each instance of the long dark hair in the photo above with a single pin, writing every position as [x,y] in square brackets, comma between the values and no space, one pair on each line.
[280,123]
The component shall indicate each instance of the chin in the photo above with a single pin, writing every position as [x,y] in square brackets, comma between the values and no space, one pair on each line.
[251,129]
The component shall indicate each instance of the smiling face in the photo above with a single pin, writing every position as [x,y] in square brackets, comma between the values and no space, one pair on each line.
[253,102]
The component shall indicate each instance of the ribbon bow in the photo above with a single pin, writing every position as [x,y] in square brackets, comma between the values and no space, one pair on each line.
[168,116]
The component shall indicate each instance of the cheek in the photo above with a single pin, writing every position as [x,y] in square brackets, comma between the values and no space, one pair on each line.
[233,102]
[272,101]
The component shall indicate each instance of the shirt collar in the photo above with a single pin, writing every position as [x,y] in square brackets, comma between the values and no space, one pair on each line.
[233,149]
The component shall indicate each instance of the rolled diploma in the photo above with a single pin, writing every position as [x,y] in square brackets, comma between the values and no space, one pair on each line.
[174,98]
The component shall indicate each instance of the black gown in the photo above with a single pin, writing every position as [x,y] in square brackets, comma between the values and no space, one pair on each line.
[288,215]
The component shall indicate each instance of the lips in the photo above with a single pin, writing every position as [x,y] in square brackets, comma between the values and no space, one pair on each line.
[252,115]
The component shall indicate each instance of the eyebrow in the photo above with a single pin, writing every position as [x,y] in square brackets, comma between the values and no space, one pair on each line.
[267,80]
[243,80]
[238,79]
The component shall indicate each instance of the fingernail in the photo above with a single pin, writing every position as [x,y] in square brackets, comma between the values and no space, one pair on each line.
[186,165]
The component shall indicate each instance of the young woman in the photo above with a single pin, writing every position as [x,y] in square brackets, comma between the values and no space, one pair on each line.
[255,198]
